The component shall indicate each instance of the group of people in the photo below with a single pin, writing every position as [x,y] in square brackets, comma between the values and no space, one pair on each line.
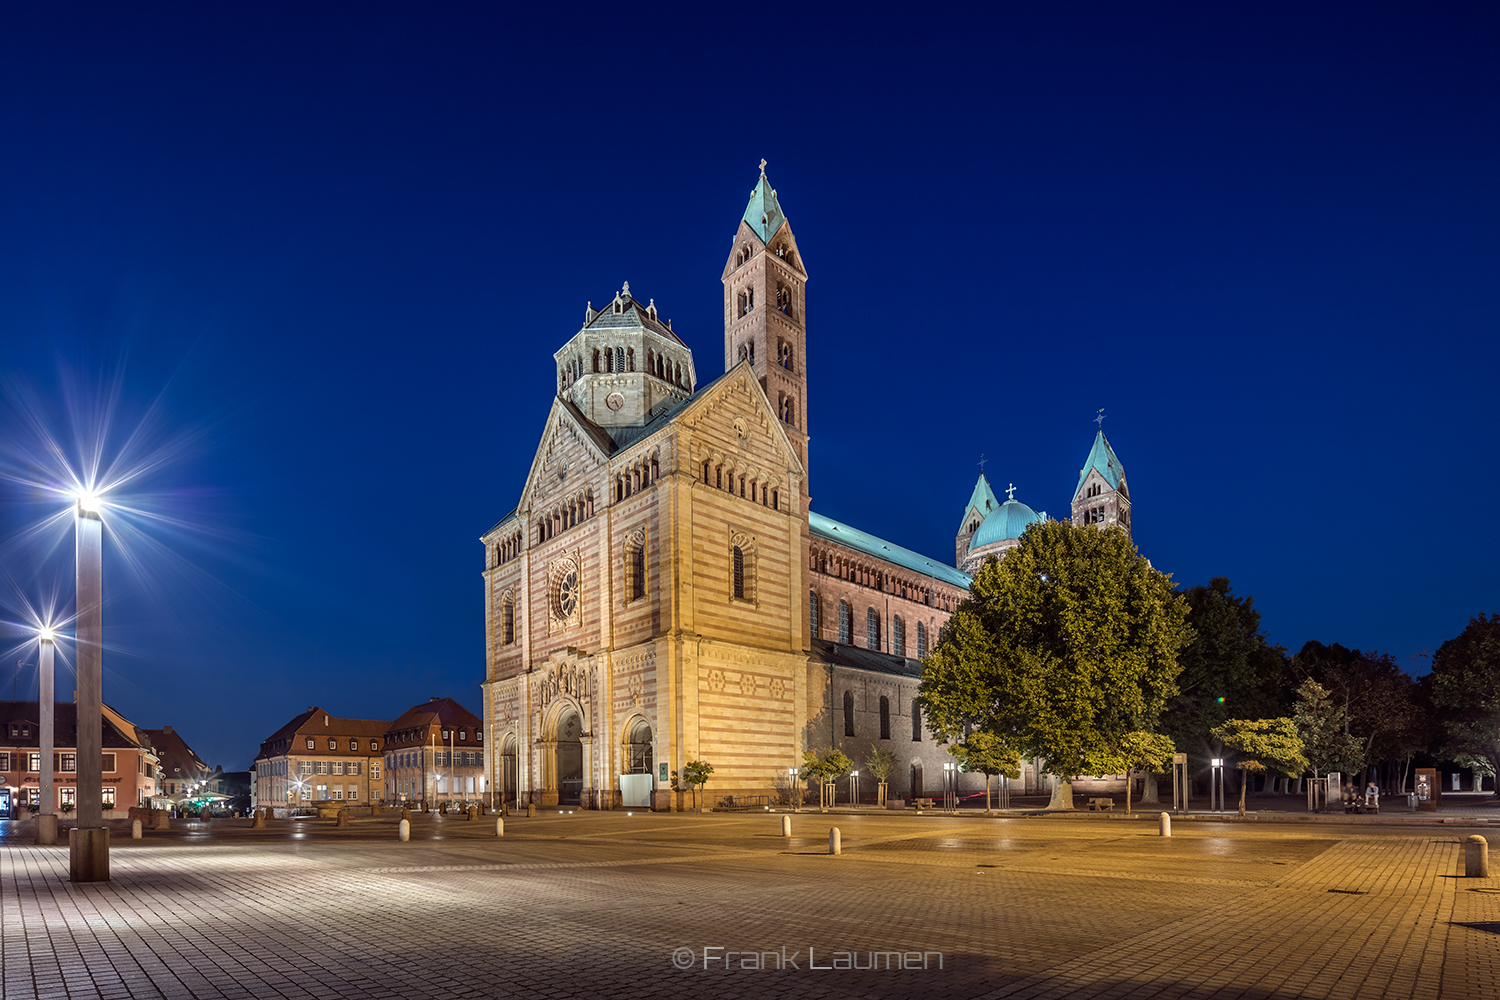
[1354,802]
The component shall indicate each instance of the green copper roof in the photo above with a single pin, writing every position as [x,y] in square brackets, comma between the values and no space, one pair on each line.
[827,527]
[983,498]
[1005,524]
[764,211]
[1103,458]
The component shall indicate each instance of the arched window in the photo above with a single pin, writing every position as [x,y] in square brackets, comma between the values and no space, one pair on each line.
[812,612]
[872,629]
[619,359]
[916,722]
[596,359]
[739,572]
[507,620]
[921,641]
[848,713]
[678,380]
[635,566]
[885,717]
[898,635]
[630,359]
[844,625]
[705,471]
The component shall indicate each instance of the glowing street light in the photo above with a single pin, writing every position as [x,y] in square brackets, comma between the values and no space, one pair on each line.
[88,844]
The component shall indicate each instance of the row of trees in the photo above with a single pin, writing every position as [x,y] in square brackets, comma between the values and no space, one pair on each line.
[1074,650]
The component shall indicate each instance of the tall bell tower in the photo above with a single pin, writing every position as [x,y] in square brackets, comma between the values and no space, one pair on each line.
[765,309]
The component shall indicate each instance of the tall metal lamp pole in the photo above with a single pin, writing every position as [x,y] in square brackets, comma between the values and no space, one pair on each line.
[88,844]
[46,817]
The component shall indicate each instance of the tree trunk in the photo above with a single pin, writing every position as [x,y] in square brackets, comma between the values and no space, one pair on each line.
[988,811]
[1129,783]
[1244,781]
[1149,795]
[1062,793]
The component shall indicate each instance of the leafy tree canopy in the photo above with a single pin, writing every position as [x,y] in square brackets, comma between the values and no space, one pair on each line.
[881,763]
[1228,670]
[825,765]
[1061,648]
[986,753]
[1322,724]
[1466,691]
[1264,743]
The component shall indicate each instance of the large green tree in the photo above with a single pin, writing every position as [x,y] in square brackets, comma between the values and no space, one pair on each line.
[989,754]
[1466,692]
[1229,670]
[1382,705]
[1322,724]
[1061,648]
[1262,744]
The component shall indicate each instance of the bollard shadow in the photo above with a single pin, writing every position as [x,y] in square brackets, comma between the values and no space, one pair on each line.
[1488,926]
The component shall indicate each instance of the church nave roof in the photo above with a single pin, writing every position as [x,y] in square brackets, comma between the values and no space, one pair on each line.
[835,531]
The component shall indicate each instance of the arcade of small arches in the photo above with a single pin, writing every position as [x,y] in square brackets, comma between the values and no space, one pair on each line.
[619,359]
[508,548]
[835,563]
[722,475]
[636,476]
[568,513]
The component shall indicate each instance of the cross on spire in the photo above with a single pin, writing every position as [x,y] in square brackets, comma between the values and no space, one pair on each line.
[1100,418]
[981,463]
[1010,494]
[763,166]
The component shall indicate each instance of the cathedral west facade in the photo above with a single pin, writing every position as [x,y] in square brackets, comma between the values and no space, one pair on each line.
[662,592]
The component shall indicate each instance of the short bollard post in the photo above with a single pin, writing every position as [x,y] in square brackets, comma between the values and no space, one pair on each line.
[473,812]
[135,829]
[786,826]
[835,841]
[531,809]
[500,826]
[1477,857]
[259,822]
[406,815]
[1166,825]
[403,830]
[343,819]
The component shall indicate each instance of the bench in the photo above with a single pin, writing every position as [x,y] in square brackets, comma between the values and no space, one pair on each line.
[1101,805]
[923,803]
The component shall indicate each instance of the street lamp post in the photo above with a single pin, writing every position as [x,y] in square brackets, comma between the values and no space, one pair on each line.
[46,817]
[793,790]
[854,789]
[1216,785]
[88,844]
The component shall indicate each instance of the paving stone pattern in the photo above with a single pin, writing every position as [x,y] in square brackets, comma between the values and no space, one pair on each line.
[597,904]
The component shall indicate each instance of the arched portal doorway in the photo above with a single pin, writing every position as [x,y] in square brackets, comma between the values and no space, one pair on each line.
[568,750]
[638,760]
[510,790]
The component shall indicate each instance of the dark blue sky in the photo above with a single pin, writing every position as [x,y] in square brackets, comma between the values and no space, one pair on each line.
[336,245]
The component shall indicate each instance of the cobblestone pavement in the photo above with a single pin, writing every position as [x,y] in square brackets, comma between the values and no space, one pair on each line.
[610,905]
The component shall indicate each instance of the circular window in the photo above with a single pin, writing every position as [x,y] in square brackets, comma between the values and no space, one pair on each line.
[565,596]
[614,400]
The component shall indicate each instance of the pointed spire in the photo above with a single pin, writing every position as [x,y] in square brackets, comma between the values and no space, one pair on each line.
[763,214]
[1103,458]
[982,499]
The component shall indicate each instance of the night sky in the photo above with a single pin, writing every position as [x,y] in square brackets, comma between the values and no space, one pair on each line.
[308,263]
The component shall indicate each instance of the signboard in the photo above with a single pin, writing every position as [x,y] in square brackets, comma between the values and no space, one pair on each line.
[664,778]
[1429,793]
[1179,758]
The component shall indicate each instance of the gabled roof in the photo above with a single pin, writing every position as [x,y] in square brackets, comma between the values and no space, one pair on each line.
[763,214]
[859,541]
[177,758]
[1103,458]
[309,723]
[982,499]
[438,711]
[64,726]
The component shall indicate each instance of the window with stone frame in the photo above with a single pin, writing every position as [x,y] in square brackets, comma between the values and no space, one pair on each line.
[507,618]
[921,641]
[848,713]
[635,565]
[872,629]
[812,612]
[742,567]
[916,722]
[845,626]
[898,635]
[885,717]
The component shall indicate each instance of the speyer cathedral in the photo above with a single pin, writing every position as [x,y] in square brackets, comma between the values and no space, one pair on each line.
[662,592]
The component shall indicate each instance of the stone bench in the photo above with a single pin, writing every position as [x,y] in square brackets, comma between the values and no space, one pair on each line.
[922,803]
[1101,805]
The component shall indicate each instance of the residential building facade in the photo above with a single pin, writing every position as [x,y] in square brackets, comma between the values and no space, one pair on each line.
[318,758]
[130,766]
[434,753]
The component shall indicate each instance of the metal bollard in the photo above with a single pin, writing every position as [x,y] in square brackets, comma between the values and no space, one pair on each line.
[531,809]
[835,841]
[135,829]
[1166,825]
[786,826]
[403,830]
[500,827]
[1477,857]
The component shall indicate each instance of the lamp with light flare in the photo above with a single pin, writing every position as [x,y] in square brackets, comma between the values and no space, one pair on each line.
[89,503]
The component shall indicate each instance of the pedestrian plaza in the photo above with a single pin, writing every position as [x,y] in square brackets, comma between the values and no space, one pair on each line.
[722,905]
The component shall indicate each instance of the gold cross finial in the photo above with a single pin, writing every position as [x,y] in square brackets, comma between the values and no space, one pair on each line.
[763,166]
